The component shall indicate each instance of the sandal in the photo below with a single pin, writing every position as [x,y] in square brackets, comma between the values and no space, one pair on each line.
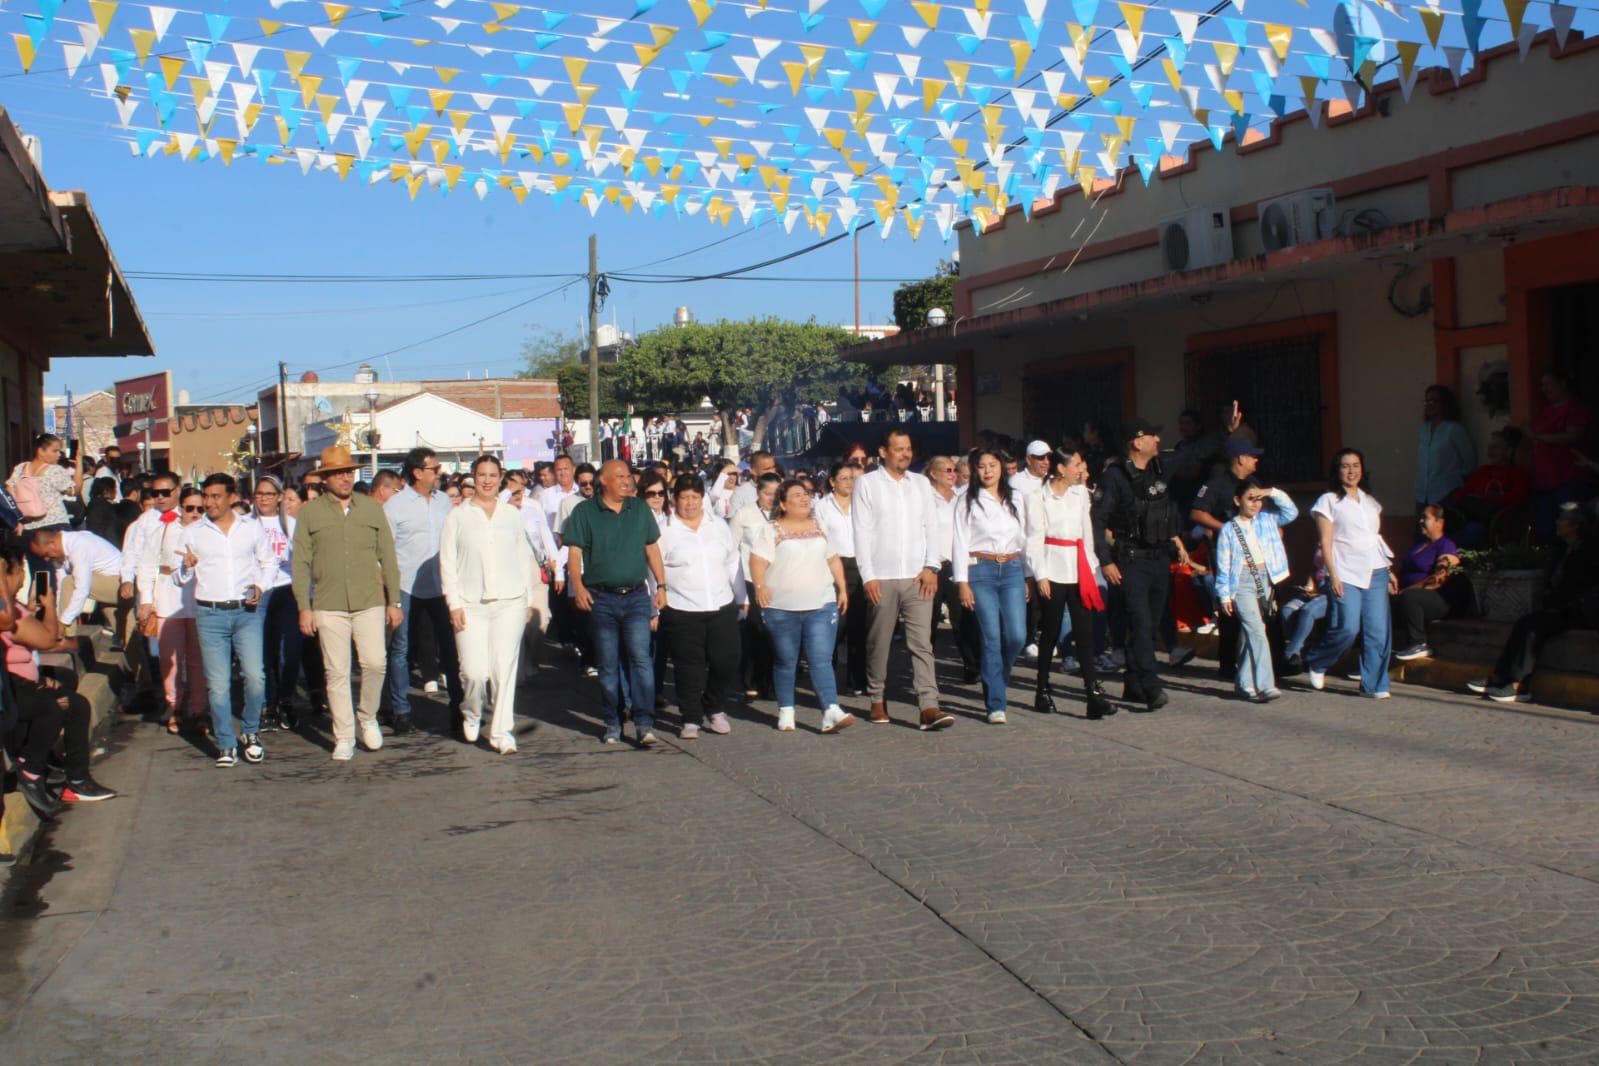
[172,725]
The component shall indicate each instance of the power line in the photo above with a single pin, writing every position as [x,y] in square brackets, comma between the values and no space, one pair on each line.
[324,279]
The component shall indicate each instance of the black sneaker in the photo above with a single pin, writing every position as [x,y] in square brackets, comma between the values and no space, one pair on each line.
[287,718]
[269,720]
[1158,700]
[86,791]
[39,796]
[1507,693]
[403,725]
[253,751]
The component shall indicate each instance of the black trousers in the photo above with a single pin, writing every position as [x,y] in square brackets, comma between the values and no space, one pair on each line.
[1532,631]
[1146,586]
[704,646]
[1227,632]
[852,634]
[961,621]
[755,653]
[431,615]
[1065,599]
[1412,610]
[45,714]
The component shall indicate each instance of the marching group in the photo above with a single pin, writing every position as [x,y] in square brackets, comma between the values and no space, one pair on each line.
[1080,554]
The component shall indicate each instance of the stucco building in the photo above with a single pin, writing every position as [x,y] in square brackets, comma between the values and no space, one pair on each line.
[1461,245]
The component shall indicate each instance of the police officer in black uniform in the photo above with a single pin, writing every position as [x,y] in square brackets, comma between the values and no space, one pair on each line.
[1137,510]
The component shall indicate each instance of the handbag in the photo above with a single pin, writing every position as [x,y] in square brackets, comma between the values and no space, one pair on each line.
[1268,602]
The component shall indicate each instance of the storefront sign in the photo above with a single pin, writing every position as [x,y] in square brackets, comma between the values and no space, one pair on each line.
[148,397]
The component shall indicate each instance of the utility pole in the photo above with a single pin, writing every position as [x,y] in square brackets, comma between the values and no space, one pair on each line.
[857,285]
[594,349]
[283,417]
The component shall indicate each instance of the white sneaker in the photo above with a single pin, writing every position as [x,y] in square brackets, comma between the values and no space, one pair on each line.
[344,751]
[1031,651]
[431,687]
[1318,679]
[470,728]
[836,718]
[371,736]
[785,719]
[1382,695]
[506,746]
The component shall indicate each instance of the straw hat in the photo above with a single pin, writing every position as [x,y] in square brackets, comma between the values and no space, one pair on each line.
[336,460]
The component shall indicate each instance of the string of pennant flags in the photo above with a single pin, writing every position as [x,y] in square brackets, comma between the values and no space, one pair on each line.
[827,112]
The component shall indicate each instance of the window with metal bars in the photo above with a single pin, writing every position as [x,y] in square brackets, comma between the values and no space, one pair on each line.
[1056,402]
[1278,385]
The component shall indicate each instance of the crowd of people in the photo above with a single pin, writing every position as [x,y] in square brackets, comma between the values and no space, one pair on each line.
[336,598]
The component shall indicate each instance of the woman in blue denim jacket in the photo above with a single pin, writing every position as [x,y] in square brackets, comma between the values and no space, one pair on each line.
[1250,560]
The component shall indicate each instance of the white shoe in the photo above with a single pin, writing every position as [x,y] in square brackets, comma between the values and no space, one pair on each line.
[507,746]
[1318,679]
[344,751]
[836,718]
[371,736]
[431,687]
[1382,695]
[785,719]
[470,728]
[1031,651]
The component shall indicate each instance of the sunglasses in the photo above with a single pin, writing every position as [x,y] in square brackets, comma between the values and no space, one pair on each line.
[654,492]
[265,493]
[162,492]
[193,510]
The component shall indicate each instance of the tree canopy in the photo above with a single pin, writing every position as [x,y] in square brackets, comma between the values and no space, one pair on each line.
[914,299]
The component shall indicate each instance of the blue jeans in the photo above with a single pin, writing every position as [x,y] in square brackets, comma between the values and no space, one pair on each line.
[620,626]
[1000,592]
[814,632]
[224,634]
[1299,618]
[1362,613]
[1254,650]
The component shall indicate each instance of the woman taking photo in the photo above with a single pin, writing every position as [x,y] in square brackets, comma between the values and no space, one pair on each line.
[1349,520]
[755,663]
[1061,559]
[832,512]
[486,564]
[172,607]
[799,583]
[704,591]
[991,573]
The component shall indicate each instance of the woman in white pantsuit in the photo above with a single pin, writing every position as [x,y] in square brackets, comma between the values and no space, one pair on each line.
[487,567]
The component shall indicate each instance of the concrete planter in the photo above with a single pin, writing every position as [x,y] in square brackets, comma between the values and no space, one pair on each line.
[1506,595]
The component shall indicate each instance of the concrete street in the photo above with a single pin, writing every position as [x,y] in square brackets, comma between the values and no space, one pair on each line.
[1326,879]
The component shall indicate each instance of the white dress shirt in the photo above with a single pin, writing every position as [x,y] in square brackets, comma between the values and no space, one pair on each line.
[1023,483]
[1061,517]
[87,555]
[483,558]
[228,563]
[157,572]
[1358,547]
[944,522]
[986,526]
[133,541]
[896,528]
[550,499]
[746,525]
[701,565]
[837,525]
[539,536]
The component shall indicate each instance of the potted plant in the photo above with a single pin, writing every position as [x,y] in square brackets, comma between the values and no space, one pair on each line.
[1507,581]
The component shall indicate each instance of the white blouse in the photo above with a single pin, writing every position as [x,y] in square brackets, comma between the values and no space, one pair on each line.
[944,524]
[482,559]
[162,590]
[701,565]
[1060,517]
[279,530]
[837,525]
[797,576]
[986,526]
[1358,547]
[746,525]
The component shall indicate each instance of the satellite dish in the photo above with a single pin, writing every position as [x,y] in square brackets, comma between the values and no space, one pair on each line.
[1174,246]
[1276,232]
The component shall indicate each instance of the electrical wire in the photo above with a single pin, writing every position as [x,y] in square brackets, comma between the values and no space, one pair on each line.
[325,279]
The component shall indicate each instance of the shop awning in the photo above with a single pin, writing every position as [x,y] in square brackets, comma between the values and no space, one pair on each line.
[1534,215]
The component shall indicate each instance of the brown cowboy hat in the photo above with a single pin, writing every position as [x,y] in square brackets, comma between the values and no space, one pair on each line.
[336,460]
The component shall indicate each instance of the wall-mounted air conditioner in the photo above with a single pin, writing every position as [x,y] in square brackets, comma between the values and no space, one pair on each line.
[1308,215]
[1198,238]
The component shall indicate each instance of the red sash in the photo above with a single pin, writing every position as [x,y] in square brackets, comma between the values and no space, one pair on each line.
[1087,587]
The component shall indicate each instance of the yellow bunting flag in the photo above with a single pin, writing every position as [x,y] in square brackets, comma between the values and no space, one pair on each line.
[646,54]
[225,147]
[1022,51]
[336,13]
[1235,100]
[574,68]
[1307,89]
[104,9]
[1515,10]
[574,115]
[413,138]
[835,138]
[932,89]
[269,27]
[863,100]
[702,11]
[814,54]
[958,72]
[440,99]
[1082,36]
[1408,51]
[1097,85]
[504,12]
[1434,23]
[341,162]
[929,12]
[1133,15]
[446,74]
[251,113]
[505,144]
[1226,56]
[441,150]
[199,89]
[309,84]
[171,67]
[796,74]
[1173,75]
[295,62]
[283,129]
[861,29]
[458,119]
[723,145]
[325,103]
[662,35]
[25,50]
[1280,37]
[143,41]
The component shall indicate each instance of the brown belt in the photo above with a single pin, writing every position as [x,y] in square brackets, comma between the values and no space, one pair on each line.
[992,557]
[166,569]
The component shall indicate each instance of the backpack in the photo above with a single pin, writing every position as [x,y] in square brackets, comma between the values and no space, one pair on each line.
[28,493]
[10,513]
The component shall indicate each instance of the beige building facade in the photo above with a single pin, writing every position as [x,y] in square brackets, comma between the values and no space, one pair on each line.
[1463,248]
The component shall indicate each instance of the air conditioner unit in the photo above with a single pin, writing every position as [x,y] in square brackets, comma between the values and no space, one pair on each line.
[1199,238]
[1308,215]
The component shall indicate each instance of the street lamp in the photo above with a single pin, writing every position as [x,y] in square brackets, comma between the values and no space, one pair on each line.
[255,458]
[372,426]
[936,318]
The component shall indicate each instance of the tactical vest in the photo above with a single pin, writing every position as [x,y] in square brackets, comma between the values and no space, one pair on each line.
[1145,518]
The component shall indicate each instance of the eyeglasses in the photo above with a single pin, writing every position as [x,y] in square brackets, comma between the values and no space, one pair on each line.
[657,493]
[192,510]
[585,484]
[265,494]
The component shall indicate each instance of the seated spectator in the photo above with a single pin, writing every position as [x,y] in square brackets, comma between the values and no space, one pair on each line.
[1306,605]
[45,710]
[1423,571]
[1571,602]
[1498,485]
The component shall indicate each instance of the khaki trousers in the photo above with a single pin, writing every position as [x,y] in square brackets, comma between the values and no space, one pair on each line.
[103,590]
[335,631]
[901,602]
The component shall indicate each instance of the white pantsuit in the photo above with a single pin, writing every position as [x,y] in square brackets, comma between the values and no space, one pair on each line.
[488,573]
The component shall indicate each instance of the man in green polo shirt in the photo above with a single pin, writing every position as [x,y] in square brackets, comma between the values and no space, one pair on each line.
[347,583]
[611,541]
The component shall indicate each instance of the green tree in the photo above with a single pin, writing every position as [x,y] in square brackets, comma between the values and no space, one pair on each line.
[573,378]
[914,299]
[764,364]
[545,351]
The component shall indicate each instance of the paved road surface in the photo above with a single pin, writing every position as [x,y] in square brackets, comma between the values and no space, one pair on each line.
[1329,879]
